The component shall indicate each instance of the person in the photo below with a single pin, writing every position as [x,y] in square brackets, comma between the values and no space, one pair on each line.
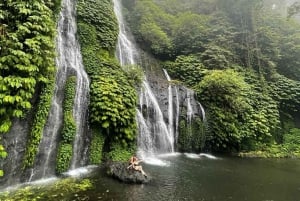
[134,164]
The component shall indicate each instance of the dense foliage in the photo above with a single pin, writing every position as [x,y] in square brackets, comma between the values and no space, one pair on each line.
[27,30]
[65,148]
[96,152]
[39,121]
[192,135]
[112,93]
[100,15]
[241,57]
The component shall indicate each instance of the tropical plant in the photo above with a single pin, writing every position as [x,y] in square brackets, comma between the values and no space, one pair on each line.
[27,33]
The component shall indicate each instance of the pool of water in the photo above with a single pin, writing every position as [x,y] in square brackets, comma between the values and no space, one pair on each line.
[201,178]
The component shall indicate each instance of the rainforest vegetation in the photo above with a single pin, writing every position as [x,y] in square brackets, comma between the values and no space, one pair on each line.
[242,59]
[112,93]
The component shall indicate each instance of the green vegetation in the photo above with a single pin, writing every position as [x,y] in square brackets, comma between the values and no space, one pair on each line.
[192,135]
[120,152]
[96,151]
[187,69]
[112,90]
[66,189]
[100,16]
[65,149]
[39,122]
[27,33]
[242,59]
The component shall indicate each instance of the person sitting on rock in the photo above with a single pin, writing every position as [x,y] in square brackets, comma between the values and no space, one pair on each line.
[134,164]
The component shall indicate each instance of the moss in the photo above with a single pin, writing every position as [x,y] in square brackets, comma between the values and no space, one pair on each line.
[65,189]
[96,147]
[39,122]
[69,126]
[64,155]
[120,152]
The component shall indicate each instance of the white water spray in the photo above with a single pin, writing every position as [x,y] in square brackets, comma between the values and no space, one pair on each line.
[154,135]
[68,62]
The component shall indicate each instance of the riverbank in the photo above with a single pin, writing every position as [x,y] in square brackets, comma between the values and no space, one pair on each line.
[274,151]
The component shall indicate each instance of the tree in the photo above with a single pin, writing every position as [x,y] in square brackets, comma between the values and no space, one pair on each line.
[222,93]
[187,69]
[190,33]
[294,9]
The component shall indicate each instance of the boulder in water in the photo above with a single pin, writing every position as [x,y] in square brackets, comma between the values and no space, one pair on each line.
[118,170]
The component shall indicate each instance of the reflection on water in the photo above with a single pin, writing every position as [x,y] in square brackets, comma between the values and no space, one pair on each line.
[193,177]
[204,179]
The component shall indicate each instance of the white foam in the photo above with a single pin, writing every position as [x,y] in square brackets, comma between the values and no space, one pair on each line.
[191,155]
[156,161]
[199,156]
[32,183]
[208,156]
[79,172]
[167,155]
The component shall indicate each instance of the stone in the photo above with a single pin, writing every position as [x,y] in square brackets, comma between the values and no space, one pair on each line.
[118,170]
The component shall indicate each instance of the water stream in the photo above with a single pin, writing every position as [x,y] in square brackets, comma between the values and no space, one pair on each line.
[204,177]
[190,112]
[155,136]
[68,62]
[80,107]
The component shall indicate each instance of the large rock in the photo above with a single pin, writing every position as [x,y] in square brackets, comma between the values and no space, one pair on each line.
[119,171]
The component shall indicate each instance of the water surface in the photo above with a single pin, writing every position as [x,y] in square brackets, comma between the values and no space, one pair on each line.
[190,177]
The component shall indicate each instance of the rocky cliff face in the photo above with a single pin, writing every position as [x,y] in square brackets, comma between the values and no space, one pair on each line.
[15,143]
[188,114]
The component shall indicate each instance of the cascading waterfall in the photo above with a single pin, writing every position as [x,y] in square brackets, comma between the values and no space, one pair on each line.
[162,139]
[126,51]
[81,97]
[171,108]
[154,136]
[202,112]
[68,61]
[193,107]
[190,112]
[170,105]
[177,115]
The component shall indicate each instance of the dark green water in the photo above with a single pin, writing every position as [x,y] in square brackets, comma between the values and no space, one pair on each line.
[202,179]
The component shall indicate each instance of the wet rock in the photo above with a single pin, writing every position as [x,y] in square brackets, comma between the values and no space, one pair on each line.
[118,170]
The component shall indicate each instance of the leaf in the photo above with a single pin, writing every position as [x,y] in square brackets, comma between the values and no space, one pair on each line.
[105,124]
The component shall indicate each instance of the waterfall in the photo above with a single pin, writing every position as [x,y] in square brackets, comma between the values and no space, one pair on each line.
[126,51]
[81,97]
[154,135]
[177,115]
[158,129]
[68,61]
[170,106]
[202,112]
[190,111]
